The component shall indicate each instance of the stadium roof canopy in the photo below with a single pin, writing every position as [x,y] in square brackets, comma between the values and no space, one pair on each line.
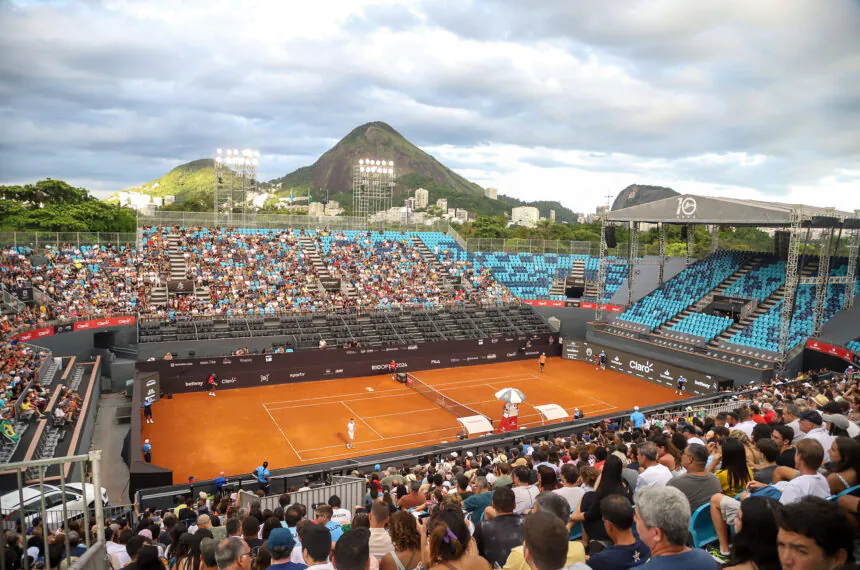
[690,209]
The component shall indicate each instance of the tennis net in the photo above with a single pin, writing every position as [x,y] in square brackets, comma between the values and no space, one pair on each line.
[440,399]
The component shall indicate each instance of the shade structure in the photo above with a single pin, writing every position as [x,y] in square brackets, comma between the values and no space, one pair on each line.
[511,395]
[552,412]
[475,424]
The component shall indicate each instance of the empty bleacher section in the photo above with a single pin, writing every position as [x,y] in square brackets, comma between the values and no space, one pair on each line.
[702,325]
[684,290]
[854,346]
[373,328]
[763,331]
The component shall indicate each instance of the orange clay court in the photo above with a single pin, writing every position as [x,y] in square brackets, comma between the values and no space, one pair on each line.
[304,423]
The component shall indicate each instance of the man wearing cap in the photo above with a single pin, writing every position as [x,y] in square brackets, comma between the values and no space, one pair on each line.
[811,424]
[791,416]
[281,544]
[147,410]
[262,473]
[637,418]
[147,451]
[689,431]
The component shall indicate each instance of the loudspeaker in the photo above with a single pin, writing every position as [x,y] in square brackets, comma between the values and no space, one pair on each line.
[684,233]
[611,241]
[574,292]
[781,240]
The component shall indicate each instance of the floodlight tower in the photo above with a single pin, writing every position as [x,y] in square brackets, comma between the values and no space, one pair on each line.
[235,177]
[372,186]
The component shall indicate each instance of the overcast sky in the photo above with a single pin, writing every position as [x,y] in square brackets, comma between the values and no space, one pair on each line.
[556,99]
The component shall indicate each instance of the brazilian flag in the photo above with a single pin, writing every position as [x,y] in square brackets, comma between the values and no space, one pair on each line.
[9,431]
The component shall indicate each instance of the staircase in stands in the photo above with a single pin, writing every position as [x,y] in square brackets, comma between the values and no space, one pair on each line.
[433,260]
[727,282]
[309,247]
[763,307]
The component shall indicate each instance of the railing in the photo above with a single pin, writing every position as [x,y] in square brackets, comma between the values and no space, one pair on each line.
[274,221]
[57,505]
[350,491]
[706,409]
[14,302]
[38,240]
[516,245]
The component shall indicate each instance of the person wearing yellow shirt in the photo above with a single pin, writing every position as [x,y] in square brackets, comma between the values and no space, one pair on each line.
[733,471]
[557,505]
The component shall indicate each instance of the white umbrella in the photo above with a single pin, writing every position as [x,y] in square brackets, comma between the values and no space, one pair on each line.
[511,395]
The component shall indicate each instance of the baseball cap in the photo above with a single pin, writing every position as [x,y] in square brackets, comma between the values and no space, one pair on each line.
[145,441]
[446,484]
[812,416]
[377,467]
[491,479]
[281,538]
[635,408]
[838,420]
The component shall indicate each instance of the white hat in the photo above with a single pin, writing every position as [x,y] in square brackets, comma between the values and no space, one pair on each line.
[491,479]
[470,454]
[145,441]
[446,484]
[635,408]
[453,454]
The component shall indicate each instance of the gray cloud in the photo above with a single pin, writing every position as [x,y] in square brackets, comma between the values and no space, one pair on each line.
[116,94]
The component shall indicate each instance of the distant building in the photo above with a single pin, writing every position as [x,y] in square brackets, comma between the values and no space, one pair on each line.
[602,210]
[490,193]
[462,215]
[316,209]
[552,215]
[525,215]
[580,218]
[452,211]
[422,198]
[410,203]
[442,203]
[333,208]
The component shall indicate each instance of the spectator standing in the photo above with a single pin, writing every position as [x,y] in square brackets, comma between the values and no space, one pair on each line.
[637,418]
[626,551]
[146,449]
[663,522]
[147,411]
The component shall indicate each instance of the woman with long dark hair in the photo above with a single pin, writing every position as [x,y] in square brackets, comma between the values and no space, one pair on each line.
[588,512]
[754,545]
[449,545]
[733,472]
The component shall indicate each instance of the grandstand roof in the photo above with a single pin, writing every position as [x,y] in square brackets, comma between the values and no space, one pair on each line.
[686,208]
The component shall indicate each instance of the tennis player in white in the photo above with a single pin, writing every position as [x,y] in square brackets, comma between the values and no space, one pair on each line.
[350,432]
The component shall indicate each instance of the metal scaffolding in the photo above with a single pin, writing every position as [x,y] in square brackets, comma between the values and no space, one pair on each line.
[601,270]
[631,260]
[235,179]
[823,277]
[662,253]
[853,251]
[791,282]
[691,244]
[372,186]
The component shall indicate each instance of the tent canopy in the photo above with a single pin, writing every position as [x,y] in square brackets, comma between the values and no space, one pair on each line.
[476,424]
[552,412]
[691,209]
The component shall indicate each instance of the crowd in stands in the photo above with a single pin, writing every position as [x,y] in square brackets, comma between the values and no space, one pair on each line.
[19,365]
[621,494]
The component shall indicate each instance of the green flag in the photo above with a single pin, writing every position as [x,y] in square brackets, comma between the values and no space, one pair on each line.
[9,431]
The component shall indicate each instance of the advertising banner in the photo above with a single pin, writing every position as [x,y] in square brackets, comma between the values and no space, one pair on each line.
[180,286]
[34,334]
[151,388]
[104,323]
[831,349]
[180,376]
[572,304]
[653,371]
[23,294]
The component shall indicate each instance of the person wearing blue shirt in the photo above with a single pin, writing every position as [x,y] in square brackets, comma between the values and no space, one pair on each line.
[262,473]
[663,522]
[323,514]
[681,383]
[220,483]
[626,551]
[637,417]
[147,451]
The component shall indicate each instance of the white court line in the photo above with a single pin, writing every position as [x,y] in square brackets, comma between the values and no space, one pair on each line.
[283,434]
[362,420]
[572,392]
[404,391]
[400,389]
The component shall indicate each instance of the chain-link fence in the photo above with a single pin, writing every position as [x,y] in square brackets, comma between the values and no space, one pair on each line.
[42,240]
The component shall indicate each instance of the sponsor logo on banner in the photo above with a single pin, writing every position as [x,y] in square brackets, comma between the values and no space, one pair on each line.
[511,354]
[193,384]
[338,370]
[180,364]
[588,352]
[264,377]
[666,374]
[412,347]
[268,358]
[246,360]
[226,361]
[230,380]
[455,360]
[532,352]
[616,361]
[471,358]
[203,362]
[491,356]
[494,340]
[646,368]
[125,320]
[435,362]
[700,384]
[295,375]
[480,342]
[830,349]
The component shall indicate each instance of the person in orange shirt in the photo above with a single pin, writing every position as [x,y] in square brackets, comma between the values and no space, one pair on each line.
[542,361]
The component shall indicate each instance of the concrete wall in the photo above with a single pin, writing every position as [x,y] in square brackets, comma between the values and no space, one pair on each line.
[573,321]
[80,343]
[740,374]
[202,348]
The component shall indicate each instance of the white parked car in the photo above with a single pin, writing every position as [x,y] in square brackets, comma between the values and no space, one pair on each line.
[53,516]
